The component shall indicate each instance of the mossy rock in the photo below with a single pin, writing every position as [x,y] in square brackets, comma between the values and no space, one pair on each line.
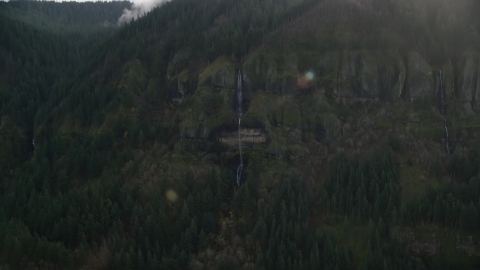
[448,81]
[369,79]
[205,111]
[420,82]
[272,72]
[219,74]
[134,78]
[258,111]
[469,84]
[186,146]
[276,149]
[297,150]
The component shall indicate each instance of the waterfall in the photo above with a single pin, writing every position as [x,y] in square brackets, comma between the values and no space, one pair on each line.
[239,115]
[442,109]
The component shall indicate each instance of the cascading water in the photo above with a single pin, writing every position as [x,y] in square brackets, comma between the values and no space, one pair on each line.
[239,114]
[442,108]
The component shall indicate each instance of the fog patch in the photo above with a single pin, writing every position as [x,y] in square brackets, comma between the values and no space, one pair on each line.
[139,9]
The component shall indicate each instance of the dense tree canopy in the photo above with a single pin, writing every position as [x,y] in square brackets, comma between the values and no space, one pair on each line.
[92,169]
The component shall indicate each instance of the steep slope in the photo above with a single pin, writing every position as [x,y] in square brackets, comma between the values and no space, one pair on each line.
[27,76]
[42,44]
[73,19]
[342,131]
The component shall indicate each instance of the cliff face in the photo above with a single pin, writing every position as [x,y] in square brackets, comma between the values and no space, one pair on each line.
[420,78]
[357,76]
[351,76]
[469,92]
[448,82]
[361,75]
[287,103]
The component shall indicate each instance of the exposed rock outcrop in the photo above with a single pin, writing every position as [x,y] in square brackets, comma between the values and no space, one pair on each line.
[282,84]
[395,76]
[357,76]
[448,81]
[369,77]
[194,127]
[177,88]
[420,82]
[271,74]
[220,74]
[349,76]
[363,76]
[224,78]
[247,136]
[470,247]
[468,82]
[347,82]
[406,235]
[430,247]
[477,88]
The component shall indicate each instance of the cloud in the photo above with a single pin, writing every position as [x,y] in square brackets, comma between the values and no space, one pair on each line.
[139,9]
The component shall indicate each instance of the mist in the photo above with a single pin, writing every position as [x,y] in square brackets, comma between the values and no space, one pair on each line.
[139,9]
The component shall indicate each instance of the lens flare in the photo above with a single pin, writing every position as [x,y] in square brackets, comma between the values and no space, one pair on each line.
[171,195]
[309,75]
[303,81]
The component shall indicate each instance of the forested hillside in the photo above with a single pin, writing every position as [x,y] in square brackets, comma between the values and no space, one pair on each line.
[356,122]
[42,46]
[68,18]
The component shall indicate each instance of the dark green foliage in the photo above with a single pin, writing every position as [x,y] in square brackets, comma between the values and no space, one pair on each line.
[449,206]
[465,166]
[31,73]
[363,189]
[82,218]
[395,143]
[453,204]
[286,241]
[74,19]
[42,44]
[76,193]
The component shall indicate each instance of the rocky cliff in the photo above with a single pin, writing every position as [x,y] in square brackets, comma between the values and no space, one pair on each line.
[469,92]
[285,103]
